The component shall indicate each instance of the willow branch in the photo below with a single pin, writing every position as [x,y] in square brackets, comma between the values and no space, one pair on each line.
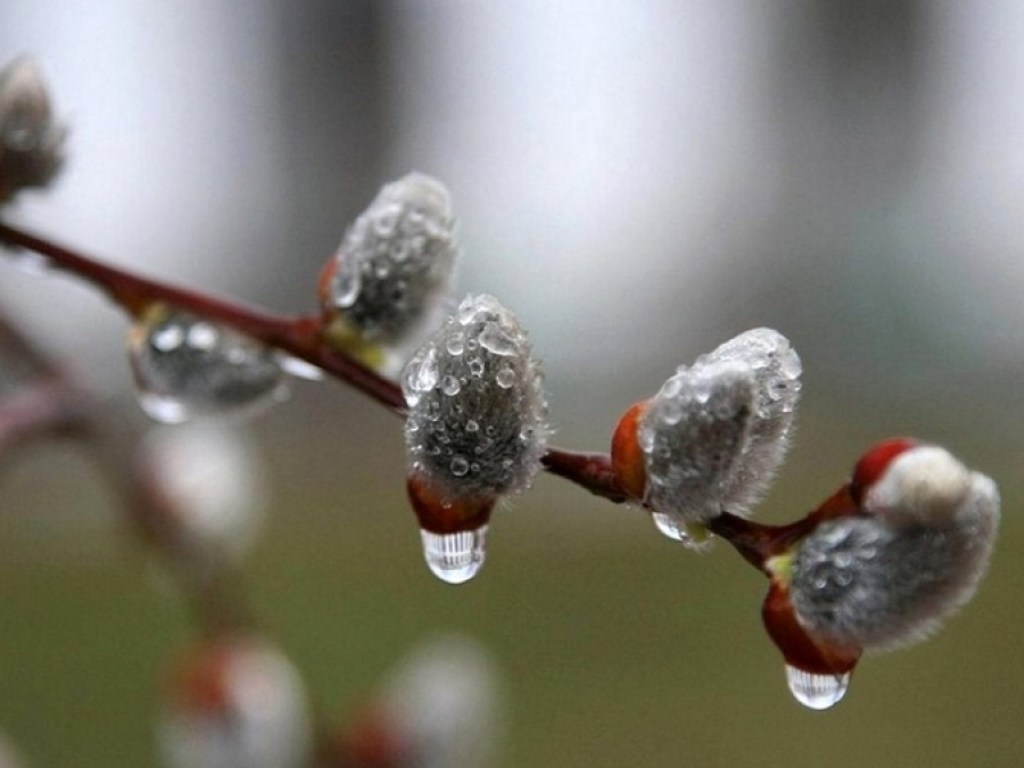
[303,336]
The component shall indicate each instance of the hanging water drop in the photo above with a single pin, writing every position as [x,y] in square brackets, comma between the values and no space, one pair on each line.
[459,466]
[184,365]
[816,691]
[347,283]
[693,537]
[666,525]
[455,557]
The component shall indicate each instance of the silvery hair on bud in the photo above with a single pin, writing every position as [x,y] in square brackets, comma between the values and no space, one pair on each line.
[477,424]
[30,142]
[718,430]
[880,582]
[394,266]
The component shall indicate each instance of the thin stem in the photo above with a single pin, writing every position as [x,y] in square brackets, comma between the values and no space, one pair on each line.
[592,471]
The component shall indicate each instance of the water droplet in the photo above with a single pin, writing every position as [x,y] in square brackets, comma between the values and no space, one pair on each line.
[459,466]
[184,366]
[347,282]
[450,385]
[455,557]
[427,374]
[472,426]
[693,536]
[671,388]
[816,691]
[645,438]
[671,412]
[505,378]
[300,369]
[456,343]
[476,367]
[666,525]
[467,311]
[494,339]
[385,221]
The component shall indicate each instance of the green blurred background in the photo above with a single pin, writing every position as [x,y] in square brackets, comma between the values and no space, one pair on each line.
[641,181]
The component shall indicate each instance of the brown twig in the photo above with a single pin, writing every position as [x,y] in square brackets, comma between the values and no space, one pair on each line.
[304,337]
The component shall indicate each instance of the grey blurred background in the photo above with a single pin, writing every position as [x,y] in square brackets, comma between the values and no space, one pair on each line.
[640,181]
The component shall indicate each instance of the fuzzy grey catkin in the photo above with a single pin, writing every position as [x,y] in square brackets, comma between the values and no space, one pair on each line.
[880,582]
[393,269]
[715,434]
[477,423]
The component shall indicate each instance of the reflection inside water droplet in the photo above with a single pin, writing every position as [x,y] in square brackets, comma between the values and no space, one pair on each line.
[816,691]
[455,557]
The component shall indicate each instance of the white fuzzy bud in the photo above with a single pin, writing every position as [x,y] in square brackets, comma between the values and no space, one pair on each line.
[393,269]
[477,424]
[236,704]
[716,433]
[30,142]
[210,485]
[443,701]
[891,577]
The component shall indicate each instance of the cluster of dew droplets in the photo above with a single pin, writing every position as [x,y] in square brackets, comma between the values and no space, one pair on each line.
[477,420]
[393,267]
[186,366]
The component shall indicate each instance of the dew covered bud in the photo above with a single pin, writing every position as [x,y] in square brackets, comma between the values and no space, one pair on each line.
[477,424]
[187,366]
[30,142]
[393,269]
[712,439]
[235,702]
[439,707]
[915,554]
